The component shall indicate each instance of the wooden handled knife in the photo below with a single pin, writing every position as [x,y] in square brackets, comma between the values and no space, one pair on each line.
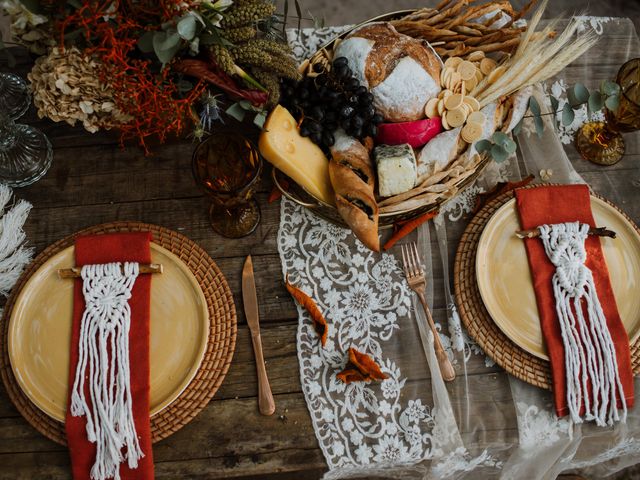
[250,299]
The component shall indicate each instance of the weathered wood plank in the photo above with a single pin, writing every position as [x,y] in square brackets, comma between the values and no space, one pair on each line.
[229,438]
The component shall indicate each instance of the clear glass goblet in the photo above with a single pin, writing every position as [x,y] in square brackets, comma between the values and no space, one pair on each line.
[25,153]
[14,95]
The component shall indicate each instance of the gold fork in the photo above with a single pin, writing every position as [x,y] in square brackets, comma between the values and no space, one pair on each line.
[415,278]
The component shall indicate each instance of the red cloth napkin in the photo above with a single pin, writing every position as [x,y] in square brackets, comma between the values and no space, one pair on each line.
[118,247]
[561,204]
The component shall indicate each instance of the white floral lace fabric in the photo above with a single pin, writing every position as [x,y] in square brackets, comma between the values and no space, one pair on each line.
[412,422]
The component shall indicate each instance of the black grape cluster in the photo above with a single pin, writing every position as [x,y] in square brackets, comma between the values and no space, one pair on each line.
[331,100]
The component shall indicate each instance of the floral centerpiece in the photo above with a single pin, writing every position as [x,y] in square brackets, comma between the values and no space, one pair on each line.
[152,69]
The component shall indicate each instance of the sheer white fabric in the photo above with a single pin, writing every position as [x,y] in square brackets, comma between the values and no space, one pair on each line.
[485,424]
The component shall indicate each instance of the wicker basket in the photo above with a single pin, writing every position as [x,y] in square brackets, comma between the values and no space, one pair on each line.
[297,194]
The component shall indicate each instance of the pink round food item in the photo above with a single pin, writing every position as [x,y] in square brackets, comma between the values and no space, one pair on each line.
[416,133]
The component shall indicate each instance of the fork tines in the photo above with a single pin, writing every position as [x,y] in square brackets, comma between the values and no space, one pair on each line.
[411,260]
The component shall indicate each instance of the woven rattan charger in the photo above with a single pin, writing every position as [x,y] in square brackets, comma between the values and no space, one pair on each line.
[220,344]
[476,318]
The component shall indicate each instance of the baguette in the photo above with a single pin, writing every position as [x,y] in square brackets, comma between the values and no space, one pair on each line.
[353,180]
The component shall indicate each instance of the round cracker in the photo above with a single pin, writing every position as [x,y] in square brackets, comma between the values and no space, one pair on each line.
[466,70]
[431,108]
[452,62]
[471,132]
[477,117]
[454,101]
[472,102]
[487,65]
[471,84]
[445,124]
[440,108]
[455,117]
[476,56]
[454,80]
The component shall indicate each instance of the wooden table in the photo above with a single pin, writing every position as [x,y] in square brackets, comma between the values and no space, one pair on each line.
[93,180]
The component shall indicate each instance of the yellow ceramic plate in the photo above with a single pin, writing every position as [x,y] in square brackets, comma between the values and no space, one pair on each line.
[505,281]
[40,331]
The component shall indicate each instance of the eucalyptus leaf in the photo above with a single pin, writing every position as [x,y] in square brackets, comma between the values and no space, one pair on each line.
[567,115]
[612,102]
[498,153]
[596,101]
[534,106]
[171,39]
[609,88]
[259,119]
[145,42]
[539,124]
[518,128]
[236,111]
[483,146]
[75,3]
[578,95]
[166,45]
[510,146]
[187,27]
[500,138]
[554,103]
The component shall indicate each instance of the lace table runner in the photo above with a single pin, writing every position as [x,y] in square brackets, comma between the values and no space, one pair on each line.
[412,421]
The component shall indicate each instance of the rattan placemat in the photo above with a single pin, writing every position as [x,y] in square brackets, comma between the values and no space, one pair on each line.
[476,318]
[220,345]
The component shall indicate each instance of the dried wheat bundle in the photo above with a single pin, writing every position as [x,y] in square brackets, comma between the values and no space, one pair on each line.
[540,56]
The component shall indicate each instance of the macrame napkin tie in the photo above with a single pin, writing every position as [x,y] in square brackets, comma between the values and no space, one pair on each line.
[587,343]
[108,426]
[589,353]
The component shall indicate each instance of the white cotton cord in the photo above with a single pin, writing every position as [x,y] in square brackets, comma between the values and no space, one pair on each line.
[104,351]
[589,352]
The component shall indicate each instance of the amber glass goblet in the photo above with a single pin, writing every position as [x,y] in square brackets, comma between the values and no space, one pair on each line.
[602,142]
[228,166]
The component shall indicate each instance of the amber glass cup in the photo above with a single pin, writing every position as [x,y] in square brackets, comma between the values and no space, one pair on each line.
[602,142]
[228,166]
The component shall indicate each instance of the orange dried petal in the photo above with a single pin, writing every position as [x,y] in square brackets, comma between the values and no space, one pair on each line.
[360,368]
[319,322]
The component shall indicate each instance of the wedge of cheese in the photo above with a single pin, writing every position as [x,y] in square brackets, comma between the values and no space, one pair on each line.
[296,156]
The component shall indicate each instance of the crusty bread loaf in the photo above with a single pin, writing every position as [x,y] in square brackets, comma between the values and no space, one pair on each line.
[353,181]
[401,72]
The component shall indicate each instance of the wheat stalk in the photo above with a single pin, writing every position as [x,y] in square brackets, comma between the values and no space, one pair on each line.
[538,58]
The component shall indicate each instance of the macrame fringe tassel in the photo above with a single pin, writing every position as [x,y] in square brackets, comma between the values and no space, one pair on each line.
[104,351]
[590,355]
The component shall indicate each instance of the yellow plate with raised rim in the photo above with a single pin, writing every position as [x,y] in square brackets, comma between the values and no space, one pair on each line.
[40,331]
[506,287]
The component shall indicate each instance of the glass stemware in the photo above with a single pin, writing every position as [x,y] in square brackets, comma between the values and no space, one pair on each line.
[14,95]
[602,142]
[25,153]
[228,167]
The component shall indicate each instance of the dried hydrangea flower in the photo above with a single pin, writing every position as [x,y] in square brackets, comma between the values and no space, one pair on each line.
[66,87]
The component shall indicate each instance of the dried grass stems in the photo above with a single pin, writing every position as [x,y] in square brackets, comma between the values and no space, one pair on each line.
[539,56]
[459,28]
